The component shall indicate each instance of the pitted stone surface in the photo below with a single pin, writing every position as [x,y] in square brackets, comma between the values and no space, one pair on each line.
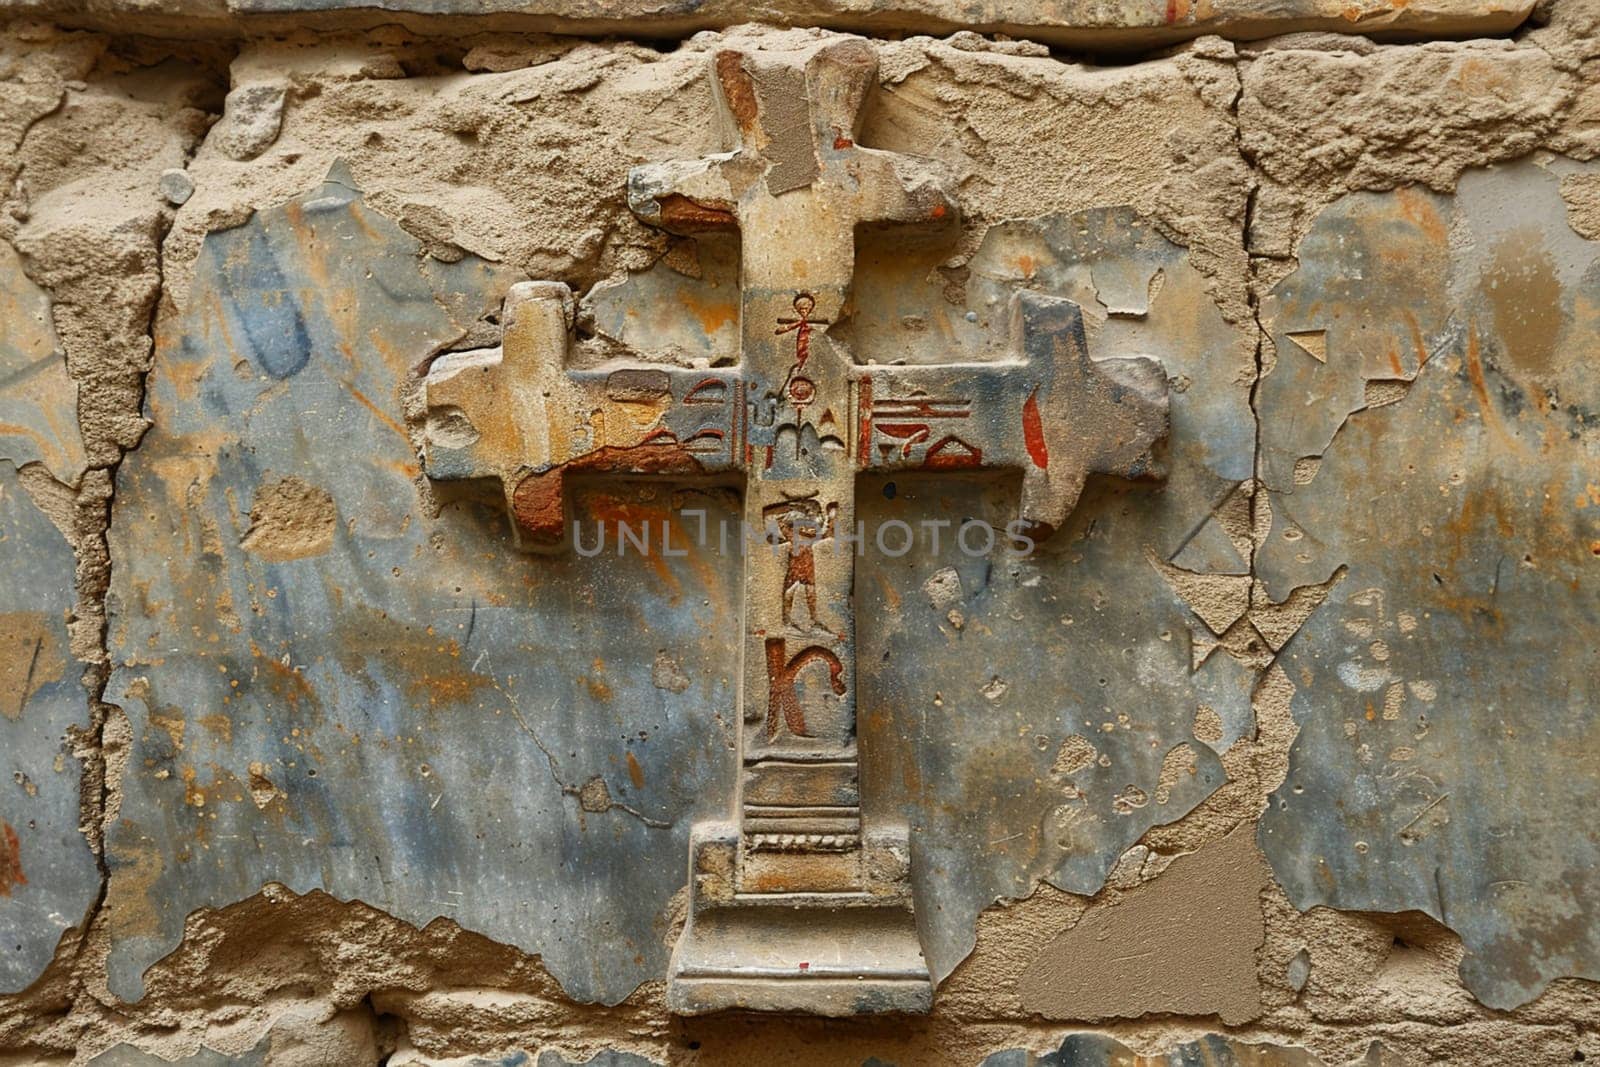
[47,873]
[1446,691]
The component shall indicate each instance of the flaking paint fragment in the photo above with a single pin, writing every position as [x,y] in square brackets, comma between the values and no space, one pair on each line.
[1444,704]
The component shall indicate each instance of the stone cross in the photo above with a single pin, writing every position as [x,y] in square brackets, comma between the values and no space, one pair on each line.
[796,904]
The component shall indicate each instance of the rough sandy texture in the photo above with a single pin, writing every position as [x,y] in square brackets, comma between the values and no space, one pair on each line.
[290,520]
[1124,26]
[468,143]
[1185,944]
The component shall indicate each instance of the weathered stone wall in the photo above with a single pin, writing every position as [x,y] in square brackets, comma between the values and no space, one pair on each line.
[1289,759]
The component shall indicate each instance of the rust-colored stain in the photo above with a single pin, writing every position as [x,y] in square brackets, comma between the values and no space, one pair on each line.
[1421,213]
[1033,432]
[680,213]
[1480,388]
[648,523]
[538,505]
[287,686]
[218,726]
[432,668]
[194,794]
[11,874]
[1418,344]
[737,87]
[712,315]
[453,687]
[377,412]
[1392,353]
[635,772]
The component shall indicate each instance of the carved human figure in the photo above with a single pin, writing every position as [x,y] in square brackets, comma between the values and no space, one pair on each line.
[800,526]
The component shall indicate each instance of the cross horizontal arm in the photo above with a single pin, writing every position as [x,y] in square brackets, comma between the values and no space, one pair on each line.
[519,414]
[897,189]
[1053,413]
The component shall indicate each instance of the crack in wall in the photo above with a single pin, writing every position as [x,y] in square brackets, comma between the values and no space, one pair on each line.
[82,512]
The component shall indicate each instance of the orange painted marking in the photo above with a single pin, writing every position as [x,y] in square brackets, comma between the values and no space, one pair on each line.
[10,860]
[1033,432]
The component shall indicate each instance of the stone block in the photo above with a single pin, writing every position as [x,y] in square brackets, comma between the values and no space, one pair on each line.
[1127,24]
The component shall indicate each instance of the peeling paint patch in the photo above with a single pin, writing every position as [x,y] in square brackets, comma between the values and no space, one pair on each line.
[130,1056]
[38,398]
[290,520]
[47,874]
[1445,691]
[396,689]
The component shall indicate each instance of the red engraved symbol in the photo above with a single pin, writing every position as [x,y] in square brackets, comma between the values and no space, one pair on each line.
[804,305]
[800,389]
[801,523]
[1033,432]
[782,673]
[909,419]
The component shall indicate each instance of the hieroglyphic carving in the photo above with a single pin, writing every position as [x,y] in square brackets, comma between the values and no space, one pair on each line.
[795,903]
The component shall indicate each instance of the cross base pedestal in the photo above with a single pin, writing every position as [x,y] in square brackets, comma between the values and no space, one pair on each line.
[847,951]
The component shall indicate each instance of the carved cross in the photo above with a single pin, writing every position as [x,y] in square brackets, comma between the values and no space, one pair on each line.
[796,904]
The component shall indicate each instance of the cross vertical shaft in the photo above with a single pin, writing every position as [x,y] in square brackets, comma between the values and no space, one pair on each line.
[795,903]
[795,188]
